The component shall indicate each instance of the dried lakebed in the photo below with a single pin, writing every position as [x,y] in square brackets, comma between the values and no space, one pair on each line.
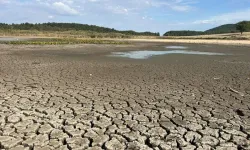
[78,98]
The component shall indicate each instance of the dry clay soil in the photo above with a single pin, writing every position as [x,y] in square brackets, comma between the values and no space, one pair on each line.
[75,97]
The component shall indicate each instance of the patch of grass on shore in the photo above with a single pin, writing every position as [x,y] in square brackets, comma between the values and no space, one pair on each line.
[69,34]
[226,36]
[61,34]
[208,38]
[62,41]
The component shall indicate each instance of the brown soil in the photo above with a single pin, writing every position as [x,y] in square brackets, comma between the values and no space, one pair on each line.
[75,97]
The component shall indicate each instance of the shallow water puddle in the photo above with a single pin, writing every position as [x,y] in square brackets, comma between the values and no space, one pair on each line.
[147,54]
[176,47]
[13,39]
[8,39]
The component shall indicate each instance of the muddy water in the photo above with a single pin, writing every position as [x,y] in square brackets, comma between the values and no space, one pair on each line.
[147,53]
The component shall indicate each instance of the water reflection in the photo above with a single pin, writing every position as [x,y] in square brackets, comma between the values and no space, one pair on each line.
[8,39]
[176,47]
[146,54]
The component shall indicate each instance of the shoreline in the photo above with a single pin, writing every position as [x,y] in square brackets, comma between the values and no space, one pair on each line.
[186,41]
[196,41]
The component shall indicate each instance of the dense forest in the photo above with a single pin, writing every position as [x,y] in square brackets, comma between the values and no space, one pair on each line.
[183,33]
[70,26]
[227,28]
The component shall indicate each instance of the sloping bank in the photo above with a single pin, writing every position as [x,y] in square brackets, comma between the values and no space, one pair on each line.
[197,41]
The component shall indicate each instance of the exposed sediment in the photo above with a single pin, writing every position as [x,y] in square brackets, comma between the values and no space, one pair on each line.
[80,99]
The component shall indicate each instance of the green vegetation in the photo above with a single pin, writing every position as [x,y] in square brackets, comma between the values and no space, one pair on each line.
[227,28]
[243,26]
[61,41]
[183,33]
[62,34]
[63,27]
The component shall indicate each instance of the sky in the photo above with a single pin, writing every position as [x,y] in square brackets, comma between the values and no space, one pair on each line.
[139,15]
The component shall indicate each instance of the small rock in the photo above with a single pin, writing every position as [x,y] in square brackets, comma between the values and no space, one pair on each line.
[210,131]
[77,142]
[45,129]
[123,131]
[42,148]
[240,140]
[204,147]
[235,132]
[13,119]
[63,147]
[226,148]
[178,120]
[164,146]
[141,118]
[133,136]
[225,136]
[216,78]
[137,146]
[189,147]
[90,134]
[157,131]
[58,134]
[192,137]
[11,143]
[194,126]
[167,125]
[8,131]
[155,141]
[20,147]
[209,140]
[171,140]
[114,144]
[99,140]
[182,142]
[42,140]
[55,143]
[94,148]
[5,138]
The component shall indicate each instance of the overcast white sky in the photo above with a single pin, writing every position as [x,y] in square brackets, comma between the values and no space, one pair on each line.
[139,15]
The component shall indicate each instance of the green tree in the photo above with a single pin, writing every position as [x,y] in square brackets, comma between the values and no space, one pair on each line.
[242,26]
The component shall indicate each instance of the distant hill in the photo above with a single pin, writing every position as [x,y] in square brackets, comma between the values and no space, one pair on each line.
[71,26]
[183,33]
[227,28]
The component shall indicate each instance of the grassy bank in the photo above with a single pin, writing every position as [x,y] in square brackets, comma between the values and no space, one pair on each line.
[62,34]
[227,36]
[61,41]
[196,41]
[68,34]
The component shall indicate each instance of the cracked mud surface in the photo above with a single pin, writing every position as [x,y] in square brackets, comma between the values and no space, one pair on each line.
[77,98]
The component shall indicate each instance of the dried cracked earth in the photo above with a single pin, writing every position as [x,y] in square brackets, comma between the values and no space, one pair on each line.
[77,98]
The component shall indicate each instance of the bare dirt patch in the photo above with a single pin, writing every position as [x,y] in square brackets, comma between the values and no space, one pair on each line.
[78,98]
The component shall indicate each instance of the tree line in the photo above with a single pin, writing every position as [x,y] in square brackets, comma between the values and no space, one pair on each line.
[70,26]
[242,26]
[183,33]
